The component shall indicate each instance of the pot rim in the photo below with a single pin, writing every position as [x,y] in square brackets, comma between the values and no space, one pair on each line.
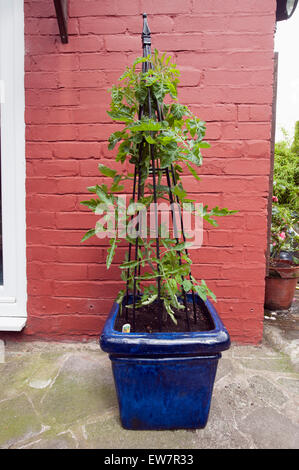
[165,343]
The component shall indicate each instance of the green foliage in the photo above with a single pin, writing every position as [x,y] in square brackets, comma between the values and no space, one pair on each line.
[295,144]
[175,139]
[285,208]
[284,236]
[286,171]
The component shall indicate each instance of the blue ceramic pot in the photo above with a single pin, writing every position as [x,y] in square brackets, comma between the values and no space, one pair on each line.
[165,380]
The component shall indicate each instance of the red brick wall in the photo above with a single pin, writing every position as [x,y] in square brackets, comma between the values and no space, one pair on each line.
[225,52]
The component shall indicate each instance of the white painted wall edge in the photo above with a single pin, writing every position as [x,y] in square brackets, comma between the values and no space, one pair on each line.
[12,323]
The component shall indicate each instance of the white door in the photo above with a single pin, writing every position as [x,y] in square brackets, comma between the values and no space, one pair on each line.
[12,134]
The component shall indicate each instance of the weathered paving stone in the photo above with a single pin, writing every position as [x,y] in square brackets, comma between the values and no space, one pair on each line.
[109,434]
[220,431]
[60,395]
[266,391]
[18,370]
[48,365]
[290,410]
[270,429]
[63,440]
[39,384]
[83,387]
[224,368]
[18,421]
[278,363]
[291,383]
[251,352]
[14,375]
[236,397]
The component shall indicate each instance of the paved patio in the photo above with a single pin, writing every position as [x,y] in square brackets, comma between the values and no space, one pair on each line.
[61,395]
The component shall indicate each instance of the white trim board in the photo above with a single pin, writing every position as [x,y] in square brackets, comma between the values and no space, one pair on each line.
[13,296]
[12,323]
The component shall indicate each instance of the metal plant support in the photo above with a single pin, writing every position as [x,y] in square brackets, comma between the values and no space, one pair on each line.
[138,191]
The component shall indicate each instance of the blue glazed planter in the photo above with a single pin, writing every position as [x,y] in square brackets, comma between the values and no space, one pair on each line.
[165,380]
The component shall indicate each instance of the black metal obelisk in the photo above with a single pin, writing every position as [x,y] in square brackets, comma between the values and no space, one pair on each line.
[152,109]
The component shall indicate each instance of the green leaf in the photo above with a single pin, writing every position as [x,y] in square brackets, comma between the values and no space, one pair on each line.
[178,110]
[115,138]
[141,60]
[179,191]
[212,295]
[129,264]
[123,151]
[173,286]
[221,212]
[201,291]
[187,285]
[210,220]
[88,234]
[102,195]
[148,300]
[193,172]
[149,125]
[91,204]
[148,276]
[204,145]
[149,139]
[170,311]
[182,246]
[111,252]
[106,171]
[122,113]
[150,80]
[117,188]
[117,94]
[91,189]
[120,297]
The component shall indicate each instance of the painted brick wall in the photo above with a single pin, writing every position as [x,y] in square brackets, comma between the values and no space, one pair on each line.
[225,53]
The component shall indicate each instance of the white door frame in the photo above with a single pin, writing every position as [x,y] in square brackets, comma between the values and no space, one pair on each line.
[13,293]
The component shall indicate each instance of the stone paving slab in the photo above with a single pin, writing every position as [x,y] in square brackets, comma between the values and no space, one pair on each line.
[281,330]
[61,395]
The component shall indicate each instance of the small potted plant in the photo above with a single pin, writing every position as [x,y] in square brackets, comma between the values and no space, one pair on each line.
[163,334]
[283,270]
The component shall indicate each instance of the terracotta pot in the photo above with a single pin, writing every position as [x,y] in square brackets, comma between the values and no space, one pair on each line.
[283,268]
[281,285]
[279,293]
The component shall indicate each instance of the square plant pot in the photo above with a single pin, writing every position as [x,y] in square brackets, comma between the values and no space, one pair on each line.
[165,380]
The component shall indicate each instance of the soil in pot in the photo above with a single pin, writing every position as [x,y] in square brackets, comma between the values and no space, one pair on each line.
[147,319]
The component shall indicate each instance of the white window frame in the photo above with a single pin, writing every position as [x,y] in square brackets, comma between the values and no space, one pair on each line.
[13,293]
